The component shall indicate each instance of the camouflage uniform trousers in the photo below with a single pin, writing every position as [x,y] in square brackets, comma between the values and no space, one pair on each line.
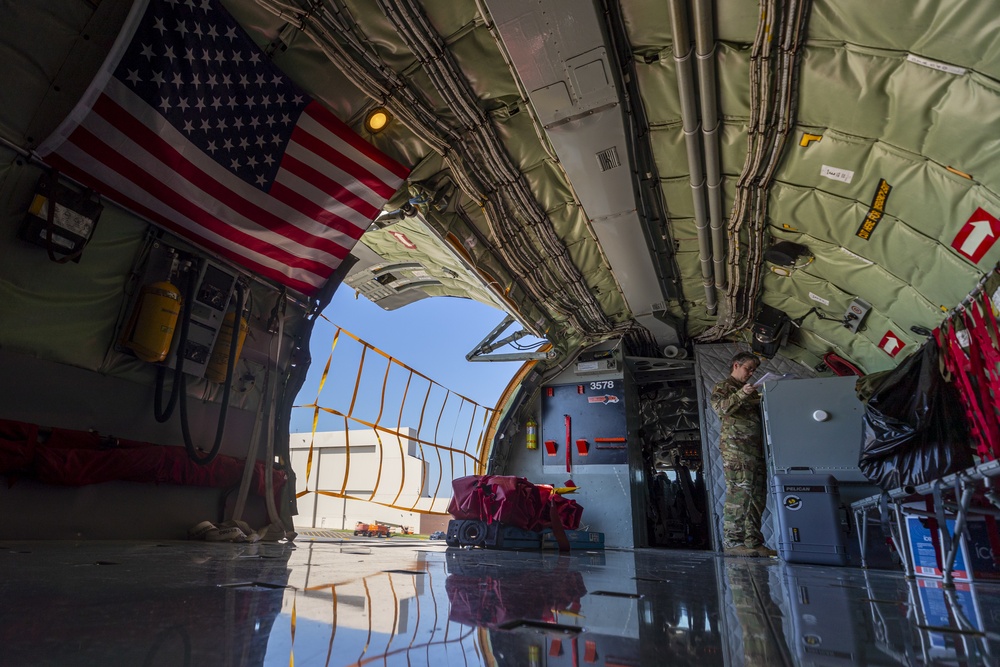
[746,493]
[752,602]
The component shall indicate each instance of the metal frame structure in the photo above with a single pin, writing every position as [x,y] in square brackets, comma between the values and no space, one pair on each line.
[952,500]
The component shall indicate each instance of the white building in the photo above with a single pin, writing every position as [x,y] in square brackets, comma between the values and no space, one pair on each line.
[384,469]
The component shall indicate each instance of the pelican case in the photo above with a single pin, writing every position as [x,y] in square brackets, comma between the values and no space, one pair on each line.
[808,516]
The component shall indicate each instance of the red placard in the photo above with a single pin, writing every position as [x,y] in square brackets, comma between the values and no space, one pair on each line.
[404,240]
[977,235]
[891,344]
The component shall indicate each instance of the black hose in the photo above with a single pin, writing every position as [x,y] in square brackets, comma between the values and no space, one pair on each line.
[221,428]
[159,413]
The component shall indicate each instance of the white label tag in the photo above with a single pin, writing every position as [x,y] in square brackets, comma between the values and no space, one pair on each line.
[68,219]
[857,257]
[996,300]
[843,175]
[963,337]
[933,64]
[818,298]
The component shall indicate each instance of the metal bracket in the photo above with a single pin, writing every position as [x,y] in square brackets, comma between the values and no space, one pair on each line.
[491,343]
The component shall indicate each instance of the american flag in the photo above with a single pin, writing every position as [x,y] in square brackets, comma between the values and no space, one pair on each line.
[191,125]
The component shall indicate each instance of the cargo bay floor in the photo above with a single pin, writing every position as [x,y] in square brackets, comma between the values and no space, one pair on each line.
[356,601]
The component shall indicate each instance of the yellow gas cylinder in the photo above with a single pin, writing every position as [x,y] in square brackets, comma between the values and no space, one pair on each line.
[154,321]
[219,363]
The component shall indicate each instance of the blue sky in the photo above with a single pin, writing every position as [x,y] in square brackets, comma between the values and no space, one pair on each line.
[431,336]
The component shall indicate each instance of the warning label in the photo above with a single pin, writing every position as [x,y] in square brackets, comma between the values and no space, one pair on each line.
[876,211]
[891,344]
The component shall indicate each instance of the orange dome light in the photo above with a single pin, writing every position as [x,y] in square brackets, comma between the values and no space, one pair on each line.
[376,120]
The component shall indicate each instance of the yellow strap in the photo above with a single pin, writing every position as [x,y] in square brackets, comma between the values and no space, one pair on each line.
[315,405]
[474,460]
[291,648]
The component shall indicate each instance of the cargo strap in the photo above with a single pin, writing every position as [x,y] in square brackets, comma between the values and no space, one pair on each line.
[557,528]
[965,368]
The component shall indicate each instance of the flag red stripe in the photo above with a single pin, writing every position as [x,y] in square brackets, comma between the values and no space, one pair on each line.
[170,156]
[85,177]
[330,154]
[338,127]
[300,202]
[327,185]
[114,160]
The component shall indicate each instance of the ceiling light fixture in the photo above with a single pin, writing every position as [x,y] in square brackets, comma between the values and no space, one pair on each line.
[376,120]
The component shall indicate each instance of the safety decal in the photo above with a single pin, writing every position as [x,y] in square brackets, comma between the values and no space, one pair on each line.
[837,174]
[608,398]
[977,236]
[876,211]
[891,344]
[793,503]
[404,240]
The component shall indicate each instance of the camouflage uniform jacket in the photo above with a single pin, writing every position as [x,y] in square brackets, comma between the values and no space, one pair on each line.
[740,417]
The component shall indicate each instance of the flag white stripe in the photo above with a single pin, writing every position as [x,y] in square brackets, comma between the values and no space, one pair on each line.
[104,74]
[111,135]
[312,193]
[345,180]
[315,128]
[136,107]
[84,160]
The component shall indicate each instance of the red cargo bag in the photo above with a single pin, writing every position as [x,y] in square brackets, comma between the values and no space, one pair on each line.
[513,501]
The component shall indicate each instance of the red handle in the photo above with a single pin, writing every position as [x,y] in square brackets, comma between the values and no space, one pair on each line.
[569,430]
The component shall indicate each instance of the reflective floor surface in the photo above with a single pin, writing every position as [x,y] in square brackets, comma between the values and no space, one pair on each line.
[413,602]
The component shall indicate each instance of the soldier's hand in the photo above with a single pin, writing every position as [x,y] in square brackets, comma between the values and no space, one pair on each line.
[749,389]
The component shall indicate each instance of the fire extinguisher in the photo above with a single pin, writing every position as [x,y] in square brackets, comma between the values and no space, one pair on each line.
[532,434]
[153,321]
[218,364]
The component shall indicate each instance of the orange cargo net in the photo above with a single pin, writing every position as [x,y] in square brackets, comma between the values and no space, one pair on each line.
[449,429]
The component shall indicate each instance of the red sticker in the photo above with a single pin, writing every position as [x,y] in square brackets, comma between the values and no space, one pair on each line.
[610,398]
[403,239]
[977,235]
[891,344]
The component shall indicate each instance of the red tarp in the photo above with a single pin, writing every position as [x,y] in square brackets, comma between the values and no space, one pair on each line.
[76,458]
[513,501]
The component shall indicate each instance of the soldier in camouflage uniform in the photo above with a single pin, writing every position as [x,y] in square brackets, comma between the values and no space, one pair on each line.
[737,403]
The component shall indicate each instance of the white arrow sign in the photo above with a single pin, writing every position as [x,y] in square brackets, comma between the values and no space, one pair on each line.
[981,230]
[891,344]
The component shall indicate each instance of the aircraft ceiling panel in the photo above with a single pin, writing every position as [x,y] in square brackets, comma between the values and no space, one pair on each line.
[888,97]
[963,32]
[902,94]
